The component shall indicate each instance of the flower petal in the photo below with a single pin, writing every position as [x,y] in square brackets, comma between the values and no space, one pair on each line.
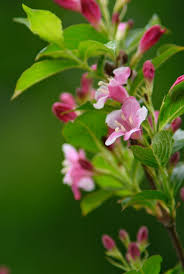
[122,74]
[141,115]
[101,102]
[130,108]
[112,118]
[86,184]
[117,92]
[70,153]
[112,138]
[129,134]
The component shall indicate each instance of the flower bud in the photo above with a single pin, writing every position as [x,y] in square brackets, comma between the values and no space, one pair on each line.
[142,235]
[74,5]
[4,270]
[150,38]
[182,194]
[133,251]
[121,31]
[63,112]
[108,242]
[175,158]
[91,11]
[124,237]
[115,18]
[178,81]
[68,99]
[148,71]
[176,124]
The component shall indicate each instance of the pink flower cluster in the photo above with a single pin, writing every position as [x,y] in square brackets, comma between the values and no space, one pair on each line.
[88,8]
[78,171]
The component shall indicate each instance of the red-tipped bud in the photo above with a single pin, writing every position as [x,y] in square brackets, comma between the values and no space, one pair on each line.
[91,11]
[142,235]
[74,5]
[148,71]
[4,270]
[108,242]
[175,158]
[123,234]
[176,124]
[68,99]
[133,251]
[115,18]
[150,38]
[63,112]
[182,194]
[178,81]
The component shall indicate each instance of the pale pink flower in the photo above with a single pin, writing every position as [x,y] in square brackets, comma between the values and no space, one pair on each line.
[148,71]
[126,121]
[114,89]
[91,11]
[78,171]
[178,81]
[74,5]
[4,270]
[108,242]
[150,38]
[142,235]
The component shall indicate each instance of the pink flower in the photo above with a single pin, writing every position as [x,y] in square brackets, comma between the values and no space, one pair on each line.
[126,121]
[91,11]
[148,71]
[176,124]
[178,81]
[133,251]
[4,270]
[70,4]
[78,171]
[108,242]
[150,38]
[182,194]
[142,235]
[114,89]
[68,99]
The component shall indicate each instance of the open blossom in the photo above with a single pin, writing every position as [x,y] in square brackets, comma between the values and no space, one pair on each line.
[78,171]
[114,89]
[70,4]
[62,110]
[126,121]
[150,38]
[91,11]
[178,81]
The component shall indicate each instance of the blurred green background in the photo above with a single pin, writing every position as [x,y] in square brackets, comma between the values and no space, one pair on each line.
[41,227]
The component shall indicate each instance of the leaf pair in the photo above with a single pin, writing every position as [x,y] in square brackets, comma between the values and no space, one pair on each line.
[151,266]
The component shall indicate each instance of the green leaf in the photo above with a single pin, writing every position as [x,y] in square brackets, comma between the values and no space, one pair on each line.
[73,35]
[178,140]
[152,265]
[159,153]
[143,198]
[40,71]
[91,48]
[45,24]
[169,51]
[175,270]
[87,130]
[54,51]
[134,36]
[23,21]
[177,177]
[172,105]
[94,200]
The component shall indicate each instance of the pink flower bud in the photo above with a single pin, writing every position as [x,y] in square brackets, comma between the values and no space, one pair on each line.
[91,11]
[182,194]
[142,235]
[68,99]
[150,38]
[115,18]
[176,124]
[148,71]
[63,112]
[4,270]
[133,251]
[74,5]
[121,31]
[123,234]
[178,81]
[108,242]
[175,158]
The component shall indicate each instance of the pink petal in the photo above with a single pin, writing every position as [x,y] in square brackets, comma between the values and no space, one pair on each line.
[178,81]
[112,138]
[86,184]
[70,4]
[117,92]
[67,179]
[101,102]
[112,118]
[68,99]
[128,134]
[141,115]
[130,107]
[76,192]
[70,152]
[91,11]
[122,74]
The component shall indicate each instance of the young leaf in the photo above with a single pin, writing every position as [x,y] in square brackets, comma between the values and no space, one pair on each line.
[40,71]
[178,140]
[172,106]
[159,153]
[93,200]
[45,24]
[175,270]
[23,21]
[168,52]
[86,131]
[73,35]
[152,265]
